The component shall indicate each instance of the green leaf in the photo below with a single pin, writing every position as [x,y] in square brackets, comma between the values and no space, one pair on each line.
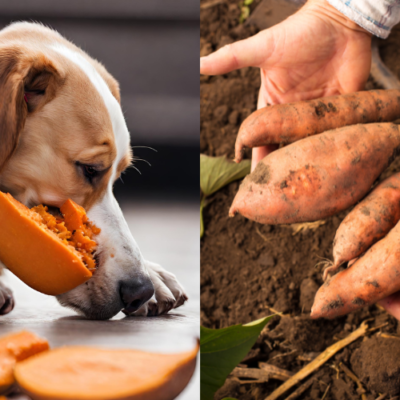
[247,2]
[245,14]
[221,350]
[217,172]
[202,205]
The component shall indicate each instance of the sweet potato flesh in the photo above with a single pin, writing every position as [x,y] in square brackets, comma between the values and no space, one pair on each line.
[74,229]
[17,347]
[99,374]
[51,254]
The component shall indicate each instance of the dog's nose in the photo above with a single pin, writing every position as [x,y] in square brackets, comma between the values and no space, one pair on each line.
[135,293]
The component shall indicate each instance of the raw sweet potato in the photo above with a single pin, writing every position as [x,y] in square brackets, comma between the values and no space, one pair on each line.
[368,222]
[317,177]
[97,374]
[17,347]
[287,123]
[44,251]
[371,278]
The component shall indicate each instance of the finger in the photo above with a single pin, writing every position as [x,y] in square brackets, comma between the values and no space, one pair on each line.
[259,153]
[392,305]
[261,102]
[244,53]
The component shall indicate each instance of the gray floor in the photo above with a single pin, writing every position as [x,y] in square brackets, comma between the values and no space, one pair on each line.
[167,234]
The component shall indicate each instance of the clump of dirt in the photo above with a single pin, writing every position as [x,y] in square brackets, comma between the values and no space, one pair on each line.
[376,362]
[249,269]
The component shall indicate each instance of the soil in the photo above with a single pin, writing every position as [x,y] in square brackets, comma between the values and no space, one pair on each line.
[248,270]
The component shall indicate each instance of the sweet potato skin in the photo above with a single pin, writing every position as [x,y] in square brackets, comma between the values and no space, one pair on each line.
[89,373]
[368,222]
[34,254]
[371,278]
[17,347]
[317,177]
[287,123]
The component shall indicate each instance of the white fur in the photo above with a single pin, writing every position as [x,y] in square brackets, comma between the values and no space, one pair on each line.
[120,130]
[119,253]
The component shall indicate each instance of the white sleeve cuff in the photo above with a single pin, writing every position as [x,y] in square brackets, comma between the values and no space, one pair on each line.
[376,16]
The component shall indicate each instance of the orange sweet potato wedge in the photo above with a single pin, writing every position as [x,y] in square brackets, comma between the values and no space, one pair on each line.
[98,374]
[14,348]
[44,251]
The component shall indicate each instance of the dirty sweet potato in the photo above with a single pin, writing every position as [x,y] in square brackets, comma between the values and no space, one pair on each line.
[287,123]
[371,278]
[368,222]
[317,177]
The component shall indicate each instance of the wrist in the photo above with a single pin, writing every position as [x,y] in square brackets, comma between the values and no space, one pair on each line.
[323,8]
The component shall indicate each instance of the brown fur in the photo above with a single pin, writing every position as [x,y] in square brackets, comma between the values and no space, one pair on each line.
[65,121]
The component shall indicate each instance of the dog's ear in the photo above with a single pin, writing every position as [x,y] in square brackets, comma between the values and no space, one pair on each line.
[41,82]
[27,82]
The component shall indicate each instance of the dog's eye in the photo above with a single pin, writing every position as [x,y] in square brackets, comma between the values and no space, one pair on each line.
[89,171]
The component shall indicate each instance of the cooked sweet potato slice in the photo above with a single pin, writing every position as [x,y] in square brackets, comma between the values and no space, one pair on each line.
[98,374]
[40,248]
[17,347]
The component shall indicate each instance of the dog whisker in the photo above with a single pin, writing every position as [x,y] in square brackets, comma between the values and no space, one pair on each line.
[132,166]
[141,159]
[144,147]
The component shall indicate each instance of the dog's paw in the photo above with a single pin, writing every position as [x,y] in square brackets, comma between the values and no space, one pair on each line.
[142,312]
[6,300]
[161,306]
[167,288]
[153,308]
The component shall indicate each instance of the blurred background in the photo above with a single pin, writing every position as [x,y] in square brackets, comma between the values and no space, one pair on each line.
[151,47]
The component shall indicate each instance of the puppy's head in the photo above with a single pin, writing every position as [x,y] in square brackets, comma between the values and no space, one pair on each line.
[63,136]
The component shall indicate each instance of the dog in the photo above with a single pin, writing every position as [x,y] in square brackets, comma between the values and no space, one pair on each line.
[63,135]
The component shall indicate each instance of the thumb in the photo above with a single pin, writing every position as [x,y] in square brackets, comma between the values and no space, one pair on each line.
[392,305]
[250,52]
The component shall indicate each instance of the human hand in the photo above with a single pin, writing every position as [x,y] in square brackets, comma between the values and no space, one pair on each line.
[314,53]
[392,305]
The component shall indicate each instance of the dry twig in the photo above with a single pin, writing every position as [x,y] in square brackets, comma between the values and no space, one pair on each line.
[308,356]
[302,388]
[254,373]
[261,235]
[277,312]
[320,360]
[335,367]
[275,372]
[283,355]
[378,327]
[296,228]
[326,392]
[386,336]
[353,376]
[268,239]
